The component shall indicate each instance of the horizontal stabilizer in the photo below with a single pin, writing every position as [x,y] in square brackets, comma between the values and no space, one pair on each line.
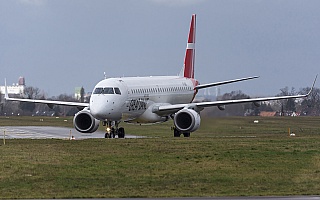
[223,82]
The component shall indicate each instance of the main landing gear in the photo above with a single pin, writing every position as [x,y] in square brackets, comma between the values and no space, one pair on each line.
[177,133]
[112,129]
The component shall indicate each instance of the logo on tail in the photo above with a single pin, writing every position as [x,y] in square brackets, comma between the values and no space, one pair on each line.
[188,68]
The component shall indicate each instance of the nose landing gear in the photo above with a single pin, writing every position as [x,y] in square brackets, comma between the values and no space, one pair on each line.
[177,133]
[112,129]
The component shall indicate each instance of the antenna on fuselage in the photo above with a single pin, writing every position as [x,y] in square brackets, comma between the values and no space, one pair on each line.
[105,75]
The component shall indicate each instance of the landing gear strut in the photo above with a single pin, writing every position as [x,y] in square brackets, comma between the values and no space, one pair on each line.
[112,129]
[177,133]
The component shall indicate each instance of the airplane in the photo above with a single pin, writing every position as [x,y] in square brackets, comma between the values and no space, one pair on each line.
[149,100]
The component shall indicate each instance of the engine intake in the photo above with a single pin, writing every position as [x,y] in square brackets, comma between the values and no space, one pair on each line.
[84,122]
[187,120]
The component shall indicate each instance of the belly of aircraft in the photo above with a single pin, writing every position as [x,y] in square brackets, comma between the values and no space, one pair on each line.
[139,110]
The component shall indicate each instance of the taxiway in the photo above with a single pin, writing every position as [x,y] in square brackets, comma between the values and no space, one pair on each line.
[47,132]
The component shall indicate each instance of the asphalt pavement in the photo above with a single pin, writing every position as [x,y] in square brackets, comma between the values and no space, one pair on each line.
[47,132]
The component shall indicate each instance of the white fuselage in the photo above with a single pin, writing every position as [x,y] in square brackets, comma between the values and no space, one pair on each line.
[131,98]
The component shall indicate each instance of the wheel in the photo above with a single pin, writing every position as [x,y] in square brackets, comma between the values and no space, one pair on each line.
[106,135]
[112,133]
[186,134]
[121,132]
[176,133]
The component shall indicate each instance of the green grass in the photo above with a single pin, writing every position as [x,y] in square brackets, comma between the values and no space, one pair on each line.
[36,121]
[225,157]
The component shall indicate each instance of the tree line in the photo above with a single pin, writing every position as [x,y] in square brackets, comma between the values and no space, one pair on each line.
[10,108]
[303,107]
[289,107]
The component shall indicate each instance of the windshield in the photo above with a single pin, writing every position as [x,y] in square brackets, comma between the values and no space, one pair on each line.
[107,90]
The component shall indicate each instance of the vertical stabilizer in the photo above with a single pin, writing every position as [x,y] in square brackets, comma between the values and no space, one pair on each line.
[188,68]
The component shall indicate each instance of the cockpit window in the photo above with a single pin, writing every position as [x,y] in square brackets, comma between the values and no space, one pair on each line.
[98,91]
[107,90]
[117,90]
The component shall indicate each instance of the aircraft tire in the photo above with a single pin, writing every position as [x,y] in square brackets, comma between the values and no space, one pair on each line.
[112,133]
[176,133]
[186,134]
[121,132]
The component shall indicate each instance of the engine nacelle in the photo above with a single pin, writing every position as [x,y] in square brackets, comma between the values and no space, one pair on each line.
[187,120]
[84,122]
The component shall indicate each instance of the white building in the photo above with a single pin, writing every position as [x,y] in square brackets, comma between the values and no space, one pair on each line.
[16,88]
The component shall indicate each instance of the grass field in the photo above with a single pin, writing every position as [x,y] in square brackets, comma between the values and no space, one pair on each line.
[225,157]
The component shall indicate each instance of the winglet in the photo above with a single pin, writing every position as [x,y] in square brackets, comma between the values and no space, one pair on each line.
[6,96]
[314,82]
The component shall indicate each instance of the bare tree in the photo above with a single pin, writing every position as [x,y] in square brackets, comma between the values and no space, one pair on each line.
[287,105]
[236,109]
[66,110]
[30,93]
[1,103]
[311,105]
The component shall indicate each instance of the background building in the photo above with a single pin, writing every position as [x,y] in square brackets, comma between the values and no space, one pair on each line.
[16,88]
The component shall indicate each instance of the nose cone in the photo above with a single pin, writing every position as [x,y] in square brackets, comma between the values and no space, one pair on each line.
[104,108]
[97,110]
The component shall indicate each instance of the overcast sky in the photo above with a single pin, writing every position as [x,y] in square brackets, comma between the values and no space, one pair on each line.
[58,45]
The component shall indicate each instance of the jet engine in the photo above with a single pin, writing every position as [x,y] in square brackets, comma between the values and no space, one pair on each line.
[187,120]
[84,122]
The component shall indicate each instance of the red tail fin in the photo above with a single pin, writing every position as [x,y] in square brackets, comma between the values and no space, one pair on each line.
[188,70]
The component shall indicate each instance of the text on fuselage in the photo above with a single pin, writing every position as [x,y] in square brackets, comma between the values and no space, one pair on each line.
[137,104]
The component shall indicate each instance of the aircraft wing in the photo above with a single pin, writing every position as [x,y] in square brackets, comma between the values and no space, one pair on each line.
[223,82]
[48,102]
[170,109]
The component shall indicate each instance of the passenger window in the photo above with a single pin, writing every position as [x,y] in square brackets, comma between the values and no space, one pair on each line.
[117,90]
